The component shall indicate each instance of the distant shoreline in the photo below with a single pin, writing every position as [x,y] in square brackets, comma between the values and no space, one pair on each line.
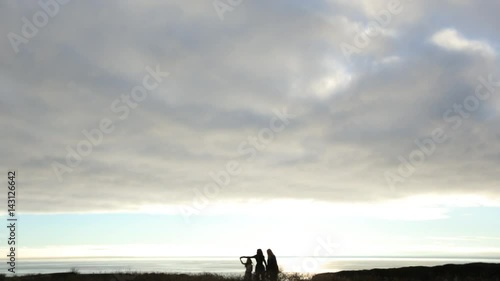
[450,272]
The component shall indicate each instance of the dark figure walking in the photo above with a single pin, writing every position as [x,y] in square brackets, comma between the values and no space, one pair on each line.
[272,266]
[260,264]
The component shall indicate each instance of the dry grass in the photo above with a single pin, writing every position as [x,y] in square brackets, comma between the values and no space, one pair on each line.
[75,276]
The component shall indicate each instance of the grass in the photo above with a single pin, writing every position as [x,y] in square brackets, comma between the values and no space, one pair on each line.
[75,276]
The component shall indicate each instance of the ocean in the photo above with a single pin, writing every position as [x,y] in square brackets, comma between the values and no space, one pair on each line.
[226,265]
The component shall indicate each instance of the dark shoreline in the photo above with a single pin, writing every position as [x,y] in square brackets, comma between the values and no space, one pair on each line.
[448,272]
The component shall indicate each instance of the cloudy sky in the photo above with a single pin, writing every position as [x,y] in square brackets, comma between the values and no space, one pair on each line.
[218,127]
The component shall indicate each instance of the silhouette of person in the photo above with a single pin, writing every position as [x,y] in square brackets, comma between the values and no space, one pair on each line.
[272,266]
[248,269]
[260,265]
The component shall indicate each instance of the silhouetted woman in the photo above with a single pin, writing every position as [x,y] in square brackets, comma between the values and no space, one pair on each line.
[272,266]
[260,265]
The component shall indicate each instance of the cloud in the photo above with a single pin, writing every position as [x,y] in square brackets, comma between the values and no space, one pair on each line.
[451,39]
[352,121]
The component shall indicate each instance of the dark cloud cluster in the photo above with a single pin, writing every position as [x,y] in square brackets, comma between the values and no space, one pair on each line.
[354,119]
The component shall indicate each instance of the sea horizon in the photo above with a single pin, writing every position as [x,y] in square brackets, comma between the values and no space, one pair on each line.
[227,264]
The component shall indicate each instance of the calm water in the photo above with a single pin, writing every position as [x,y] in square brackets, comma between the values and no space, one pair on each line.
[225,265]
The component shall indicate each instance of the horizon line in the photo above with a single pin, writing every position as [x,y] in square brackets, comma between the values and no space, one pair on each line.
[288,256]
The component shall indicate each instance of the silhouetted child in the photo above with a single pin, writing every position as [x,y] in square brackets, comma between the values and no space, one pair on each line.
[260,266]
[248,269]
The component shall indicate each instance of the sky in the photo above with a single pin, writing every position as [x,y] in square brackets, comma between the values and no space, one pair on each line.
[213,128]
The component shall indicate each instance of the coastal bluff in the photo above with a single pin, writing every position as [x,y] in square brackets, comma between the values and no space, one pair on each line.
[448,272]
